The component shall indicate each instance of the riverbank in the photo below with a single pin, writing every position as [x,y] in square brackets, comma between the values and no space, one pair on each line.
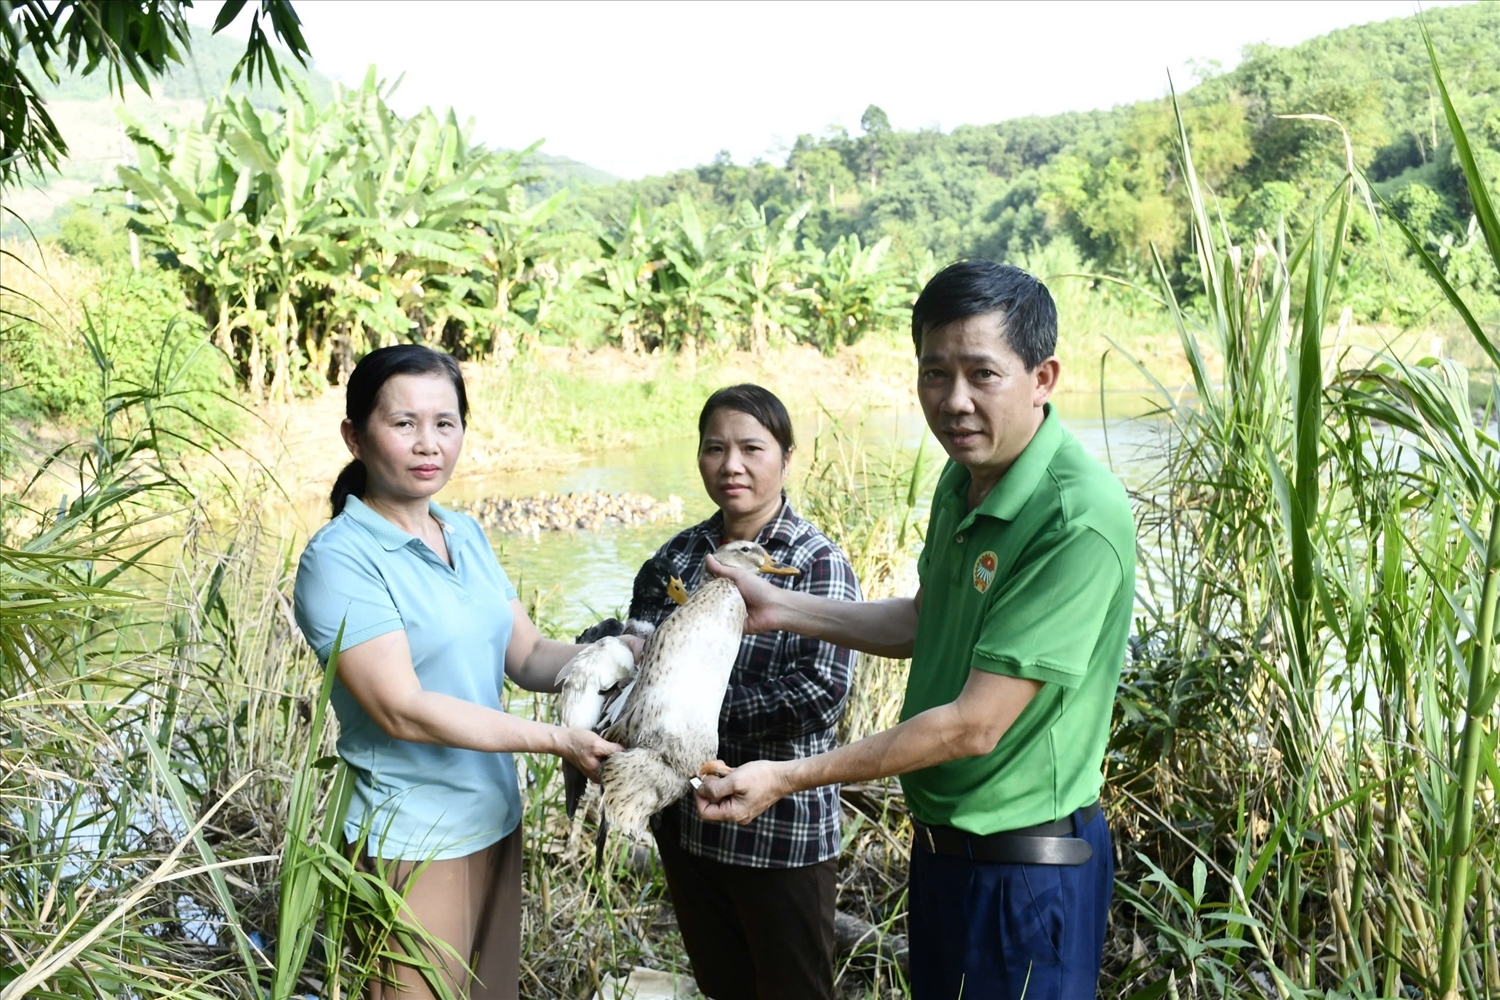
[550,409]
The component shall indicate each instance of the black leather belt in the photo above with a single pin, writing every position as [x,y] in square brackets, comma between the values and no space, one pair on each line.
[1051,843]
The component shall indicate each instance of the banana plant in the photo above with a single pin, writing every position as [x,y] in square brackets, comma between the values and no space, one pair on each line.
[522,271]
[330,230]
[770,278]
[857,289]
[623,283]
[415,196]
[295,220]
[696,288]
[193,201]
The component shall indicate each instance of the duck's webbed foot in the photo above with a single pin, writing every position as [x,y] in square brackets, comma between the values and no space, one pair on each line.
[710,769]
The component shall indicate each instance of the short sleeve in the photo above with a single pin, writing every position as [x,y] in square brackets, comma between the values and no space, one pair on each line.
[1045,622]
[334,588]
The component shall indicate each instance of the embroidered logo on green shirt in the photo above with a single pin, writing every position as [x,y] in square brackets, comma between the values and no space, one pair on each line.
[984,571]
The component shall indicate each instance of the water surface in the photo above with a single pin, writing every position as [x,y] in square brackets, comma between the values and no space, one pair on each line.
[579,577]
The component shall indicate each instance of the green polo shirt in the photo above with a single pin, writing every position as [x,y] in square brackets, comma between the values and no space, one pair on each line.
[1037,582]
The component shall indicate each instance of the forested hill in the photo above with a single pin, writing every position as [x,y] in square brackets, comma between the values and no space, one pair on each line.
[1107,180]
[203,74]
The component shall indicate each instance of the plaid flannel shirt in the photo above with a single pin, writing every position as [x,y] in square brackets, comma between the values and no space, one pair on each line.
[785,697]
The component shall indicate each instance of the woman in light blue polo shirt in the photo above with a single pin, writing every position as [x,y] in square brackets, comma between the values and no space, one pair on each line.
[431,627]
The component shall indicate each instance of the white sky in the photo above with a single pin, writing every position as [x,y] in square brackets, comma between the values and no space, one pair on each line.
[644,88]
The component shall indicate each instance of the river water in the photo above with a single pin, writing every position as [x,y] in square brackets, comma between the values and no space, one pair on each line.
[579,577]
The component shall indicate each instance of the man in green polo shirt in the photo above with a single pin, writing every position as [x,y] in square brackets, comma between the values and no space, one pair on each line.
[1016,636]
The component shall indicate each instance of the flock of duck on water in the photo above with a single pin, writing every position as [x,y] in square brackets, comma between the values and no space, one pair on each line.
[664,710]
[586,511]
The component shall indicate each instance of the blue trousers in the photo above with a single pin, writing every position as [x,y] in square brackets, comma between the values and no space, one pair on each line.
[980,931]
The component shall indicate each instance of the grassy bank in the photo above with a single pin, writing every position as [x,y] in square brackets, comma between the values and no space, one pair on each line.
[162,761]
[550,410]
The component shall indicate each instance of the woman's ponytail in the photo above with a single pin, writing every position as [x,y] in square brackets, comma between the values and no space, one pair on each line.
[350,483]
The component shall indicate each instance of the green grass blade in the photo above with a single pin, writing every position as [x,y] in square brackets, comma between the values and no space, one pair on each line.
[1484,208]
[1307,419]
[300,880]
[216,876]
[1449,292]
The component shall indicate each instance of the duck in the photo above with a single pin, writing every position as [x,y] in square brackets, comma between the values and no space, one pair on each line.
[669,720]
[596,678]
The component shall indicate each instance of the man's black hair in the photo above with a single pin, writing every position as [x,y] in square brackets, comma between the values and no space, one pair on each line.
[976,287]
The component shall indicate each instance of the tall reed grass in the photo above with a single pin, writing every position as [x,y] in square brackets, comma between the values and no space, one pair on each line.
[169,800]
[1304,771]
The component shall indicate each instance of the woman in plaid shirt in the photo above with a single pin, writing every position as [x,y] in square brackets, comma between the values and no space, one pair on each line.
[755,902]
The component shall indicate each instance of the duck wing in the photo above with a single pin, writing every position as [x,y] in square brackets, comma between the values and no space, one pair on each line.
[670,721]
[590,681]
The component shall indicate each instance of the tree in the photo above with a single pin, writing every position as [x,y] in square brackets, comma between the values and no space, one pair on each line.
[877,127]
[818,170]
[139,37]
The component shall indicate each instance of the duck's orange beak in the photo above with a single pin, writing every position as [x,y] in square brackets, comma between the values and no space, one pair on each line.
[774,568]
[676,591]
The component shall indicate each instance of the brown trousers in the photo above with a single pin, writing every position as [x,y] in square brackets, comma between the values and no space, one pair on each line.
[473,904]
[754,933]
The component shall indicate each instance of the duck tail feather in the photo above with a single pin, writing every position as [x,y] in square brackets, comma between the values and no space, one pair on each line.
[574,784]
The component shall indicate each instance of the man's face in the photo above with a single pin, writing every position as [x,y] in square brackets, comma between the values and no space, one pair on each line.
[979,399]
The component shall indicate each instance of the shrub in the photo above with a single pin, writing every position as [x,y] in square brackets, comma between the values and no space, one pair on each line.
[80,333]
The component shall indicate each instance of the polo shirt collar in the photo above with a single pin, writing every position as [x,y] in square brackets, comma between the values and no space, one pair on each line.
[1020,480]
[387,534]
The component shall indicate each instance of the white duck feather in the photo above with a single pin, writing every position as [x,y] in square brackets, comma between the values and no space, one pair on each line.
[670,720]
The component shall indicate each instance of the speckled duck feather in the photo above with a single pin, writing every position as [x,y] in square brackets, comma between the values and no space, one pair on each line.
[670,722]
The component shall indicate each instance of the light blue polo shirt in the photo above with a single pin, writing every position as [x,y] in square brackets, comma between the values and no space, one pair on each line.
[417,801]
